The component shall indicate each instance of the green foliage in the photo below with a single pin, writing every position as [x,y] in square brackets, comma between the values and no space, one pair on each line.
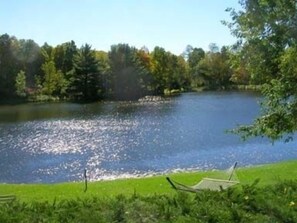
[123,73]
[9,66]
[195,56]
[106,74]
[64,60]
[29,58]
[267,33]
[43,98]
[143,62]
[214,69]
[54,82]
[86,74]
[247,204]
[168,71]
[128,72]
[264,29]
[20,84]
[160,69]
[240,74]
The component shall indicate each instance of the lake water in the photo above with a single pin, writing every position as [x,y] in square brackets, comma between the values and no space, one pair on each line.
[55,142]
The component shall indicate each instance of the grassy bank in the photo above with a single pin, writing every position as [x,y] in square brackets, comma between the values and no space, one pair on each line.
[272,199]
[268,174]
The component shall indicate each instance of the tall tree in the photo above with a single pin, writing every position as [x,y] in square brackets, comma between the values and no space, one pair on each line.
[176,72]
[105,73]
[213,48]
[168,70]
[143,63]
[267,33]
[126,76]
[194,58]
[183,76]
[9,66]
[54,82]
[214,69]
[30,59]
[20,84]
[188,50]
[86,83]
[64,55]
[160,69]
[240,74]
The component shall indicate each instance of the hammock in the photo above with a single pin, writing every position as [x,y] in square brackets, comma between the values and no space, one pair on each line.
[207,183]
[7,198]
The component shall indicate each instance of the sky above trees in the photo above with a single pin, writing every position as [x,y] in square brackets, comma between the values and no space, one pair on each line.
[172,24]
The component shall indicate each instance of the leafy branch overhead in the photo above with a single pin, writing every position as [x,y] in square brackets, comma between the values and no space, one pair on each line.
[267,47]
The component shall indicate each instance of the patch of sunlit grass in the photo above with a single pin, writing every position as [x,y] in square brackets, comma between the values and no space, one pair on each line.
[267,174]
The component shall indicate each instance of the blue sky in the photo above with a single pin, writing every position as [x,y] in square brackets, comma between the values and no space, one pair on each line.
[171,24]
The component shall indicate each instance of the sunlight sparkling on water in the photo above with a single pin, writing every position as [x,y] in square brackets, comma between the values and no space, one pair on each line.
[121,140]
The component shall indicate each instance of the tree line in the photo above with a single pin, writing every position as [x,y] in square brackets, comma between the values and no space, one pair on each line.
[123,73]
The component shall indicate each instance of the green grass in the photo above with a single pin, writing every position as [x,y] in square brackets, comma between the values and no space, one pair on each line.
[151,199]
[268,174]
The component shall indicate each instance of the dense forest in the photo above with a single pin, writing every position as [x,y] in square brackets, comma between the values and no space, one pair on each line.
[34,72]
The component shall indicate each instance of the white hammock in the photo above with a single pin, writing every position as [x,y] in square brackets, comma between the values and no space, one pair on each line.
[207,183]
[7,198]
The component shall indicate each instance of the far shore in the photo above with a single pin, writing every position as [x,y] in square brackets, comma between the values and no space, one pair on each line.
[174,92]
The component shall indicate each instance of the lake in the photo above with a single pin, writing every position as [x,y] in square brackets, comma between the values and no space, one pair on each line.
[55,142]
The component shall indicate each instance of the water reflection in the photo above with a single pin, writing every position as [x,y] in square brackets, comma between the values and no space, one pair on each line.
[124,139]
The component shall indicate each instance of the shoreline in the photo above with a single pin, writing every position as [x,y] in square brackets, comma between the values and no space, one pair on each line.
[172,93]
[269,174]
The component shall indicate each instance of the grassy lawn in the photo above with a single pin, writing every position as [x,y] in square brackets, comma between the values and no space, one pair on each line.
[268,174]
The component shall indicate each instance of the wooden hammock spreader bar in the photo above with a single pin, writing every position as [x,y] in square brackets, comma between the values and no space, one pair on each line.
[7,198]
